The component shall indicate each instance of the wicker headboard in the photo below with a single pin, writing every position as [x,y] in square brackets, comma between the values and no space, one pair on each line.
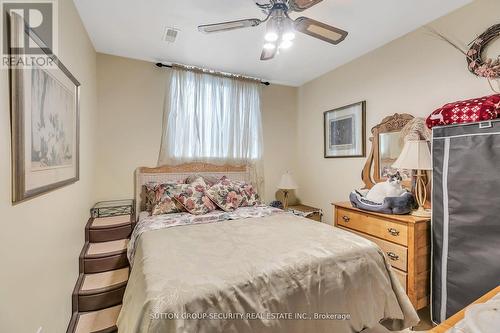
[144,175]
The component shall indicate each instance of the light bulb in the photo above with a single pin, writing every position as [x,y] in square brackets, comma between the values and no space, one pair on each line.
[269,46]
[288,30]
[286,44]
[272,29]
[289,36]
[271,36]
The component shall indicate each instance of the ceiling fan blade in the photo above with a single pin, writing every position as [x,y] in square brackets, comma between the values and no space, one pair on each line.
[268,54]
[320,30]
[227,26]
[301,5]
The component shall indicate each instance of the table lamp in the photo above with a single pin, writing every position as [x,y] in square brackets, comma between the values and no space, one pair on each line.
[416,156]
[286,184]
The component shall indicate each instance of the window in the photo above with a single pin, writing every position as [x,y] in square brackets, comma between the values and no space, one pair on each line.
[210,118]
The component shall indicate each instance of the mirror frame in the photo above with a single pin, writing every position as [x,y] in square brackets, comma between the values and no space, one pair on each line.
[371,173]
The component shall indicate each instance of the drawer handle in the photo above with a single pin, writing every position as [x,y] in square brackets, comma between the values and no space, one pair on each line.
[393,256]
[346,218]
[393,231]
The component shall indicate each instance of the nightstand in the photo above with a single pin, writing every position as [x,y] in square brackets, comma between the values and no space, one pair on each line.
[405,239]
[307,211]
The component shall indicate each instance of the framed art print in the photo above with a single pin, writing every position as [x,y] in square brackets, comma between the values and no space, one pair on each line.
[45,119]
[344,131]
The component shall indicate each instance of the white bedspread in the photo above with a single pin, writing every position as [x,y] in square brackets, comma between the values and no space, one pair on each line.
[260,274]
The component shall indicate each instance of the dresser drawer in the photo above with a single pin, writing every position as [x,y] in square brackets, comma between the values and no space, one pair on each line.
[405,239]
[372,225]
[397,254]
[401,277]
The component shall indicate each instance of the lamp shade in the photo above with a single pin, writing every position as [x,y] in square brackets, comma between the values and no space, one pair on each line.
[414,156]
[287,182]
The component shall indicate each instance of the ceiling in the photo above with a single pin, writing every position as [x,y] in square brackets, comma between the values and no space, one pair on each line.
[135,29]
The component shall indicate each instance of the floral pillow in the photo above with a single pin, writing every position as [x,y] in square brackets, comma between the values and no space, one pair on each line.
[194,199]
[149,196]
[210,180]
[249,196]
[226,194]
[163,202]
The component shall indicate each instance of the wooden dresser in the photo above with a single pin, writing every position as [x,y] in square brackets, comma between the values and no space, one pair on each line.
[405,239]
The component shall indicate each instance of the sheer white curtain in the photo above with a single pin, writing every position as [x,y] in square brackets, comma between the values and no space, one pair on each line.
[214,119]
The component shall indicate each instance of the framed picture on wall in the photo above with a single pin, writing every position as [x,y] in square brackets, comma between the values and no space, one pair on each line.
[44,118]
[344,131]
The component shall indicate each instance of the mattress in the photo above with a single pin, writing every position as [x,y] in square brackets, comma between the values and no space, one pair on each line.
[266,271]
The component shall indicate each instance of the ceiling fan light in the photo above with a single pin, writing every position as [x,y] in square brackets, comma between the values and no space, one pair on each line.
[289,36]
[272,30]
[269,46]
[286,44]
[288,30]
[271,36]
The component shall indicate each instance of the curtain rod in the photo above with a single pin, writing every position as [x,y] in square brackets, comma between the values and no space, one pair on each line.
[159,64]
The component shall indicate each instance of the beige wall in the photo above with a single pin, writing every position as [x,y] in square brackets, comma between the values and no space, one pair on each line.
[130,102]
[131,95]
[414,74]
[279,120]
[40,239]
[121,114]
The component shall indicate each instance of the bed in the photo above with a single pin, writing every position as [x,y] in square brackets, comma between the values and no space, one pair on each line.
[257,269]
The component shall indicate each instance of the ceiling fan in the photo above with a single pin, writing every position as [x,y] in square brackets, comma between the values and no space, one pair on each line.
[280,29]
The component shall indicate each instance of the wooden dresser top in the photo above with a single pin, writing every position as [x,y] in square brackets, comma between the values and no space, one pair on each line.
[399,218]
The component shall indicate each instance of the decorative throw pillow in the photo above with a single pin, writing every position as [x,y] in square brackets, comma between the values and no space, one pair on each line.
[226,194]
[208,179]
[249,195]
[149,196]
[472,110]
[163,199]
[193,198]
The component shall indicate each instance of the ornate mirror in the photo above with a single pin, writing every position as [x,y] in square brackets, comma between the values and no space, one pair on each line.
[387,143]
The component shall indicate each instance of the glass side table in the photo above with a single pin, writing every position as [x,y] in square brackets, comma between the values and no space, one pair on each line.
[112,208]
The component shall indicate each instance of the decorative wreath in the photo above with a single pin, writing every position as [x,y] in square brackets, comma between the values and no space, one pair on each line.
[487,68]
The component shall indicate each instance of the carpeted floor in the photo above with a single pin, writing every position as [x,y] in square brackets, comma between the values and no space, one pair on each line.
[425,320]
[424,325]
[381,329]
